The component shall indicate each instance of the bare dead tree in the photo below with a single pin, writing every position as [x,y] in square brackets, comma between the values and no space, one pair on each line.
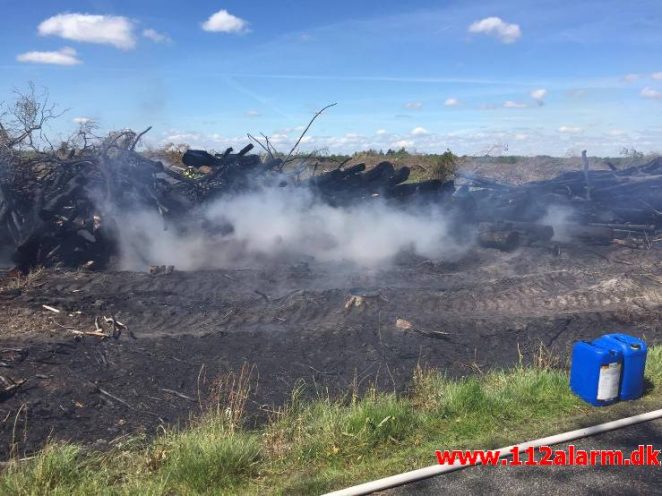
[82,141]
[22,122]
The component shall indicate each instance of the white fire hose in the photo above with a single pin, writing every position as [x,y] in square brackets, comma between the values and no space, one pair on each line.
[432,470]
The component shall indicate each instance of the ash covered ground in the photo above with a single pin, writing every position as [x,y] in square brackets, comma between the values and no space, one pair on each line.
[325,323]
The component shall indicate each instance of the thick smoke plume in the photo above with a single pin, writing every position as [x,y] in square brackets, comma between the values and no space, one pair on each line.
[284,223]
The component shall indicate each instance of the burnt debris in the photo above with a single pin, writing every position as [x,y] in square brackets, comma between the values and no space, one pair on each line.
[621,207]
[67,212]
[616,197]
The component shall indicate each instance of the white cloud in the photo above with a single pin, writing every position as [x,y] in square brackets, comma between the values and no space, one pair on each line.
[277,138]
[81,120]
[156,37]
[64,56]
[381,131]
[188,138]
[252,113]
[539,95]
[495,26]
[109,30]
[402,144]
[224,22]
[419,131]
[452,102]
[657,76]
[477,141]
[651,93]
[570,129]
[630,78]
[514,105]
[413,105]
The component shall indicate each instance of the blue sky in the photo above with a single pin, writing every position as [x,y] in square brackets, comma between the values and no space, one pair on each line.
[512,76]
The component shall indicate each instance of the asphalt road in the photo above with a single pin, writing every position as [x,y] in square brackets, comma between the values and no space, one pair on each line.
[598,480]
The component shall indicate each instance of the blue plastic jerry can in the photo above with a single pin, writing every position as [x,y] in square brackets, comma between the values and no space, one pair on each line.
[634,362]
[595,373]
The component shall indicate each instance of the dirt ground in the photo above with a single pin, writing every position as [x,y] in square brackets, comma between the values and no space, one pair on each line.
[326,324]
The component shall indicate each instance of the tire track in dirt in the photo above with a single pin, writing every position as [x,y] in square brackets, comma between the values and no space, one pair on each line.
[543,296]
[493,306]
[198,303]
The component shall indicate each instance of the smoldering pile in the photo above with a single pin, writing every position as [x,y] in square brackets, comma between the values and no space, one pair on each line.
[109,203]
[597,206]
[84,210]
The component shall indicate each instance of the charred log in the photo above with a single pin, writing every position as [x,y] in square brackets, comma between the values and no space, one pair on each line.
[501,240]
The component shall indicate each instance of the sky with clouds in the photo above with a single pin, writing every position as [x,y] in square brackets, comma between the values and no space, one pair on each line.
[499,77]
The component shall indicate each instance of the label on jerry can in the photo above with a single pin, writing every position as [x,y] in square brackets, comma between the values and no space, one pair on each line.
[609,382]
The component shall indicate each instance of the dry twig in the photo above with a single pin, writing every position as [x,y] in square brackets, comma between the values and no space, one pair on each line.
[296,145]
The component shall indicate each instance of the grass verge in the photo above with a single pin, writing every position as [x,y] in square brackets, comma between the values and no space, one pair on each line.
[311,447]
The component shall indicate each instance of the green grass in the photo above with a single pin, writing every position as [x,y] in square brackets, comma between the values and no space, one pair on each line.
[315,446]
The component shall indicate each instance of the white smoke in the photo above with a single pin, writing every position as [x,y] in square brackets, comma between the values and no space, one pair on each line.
[560,218]
[285,222]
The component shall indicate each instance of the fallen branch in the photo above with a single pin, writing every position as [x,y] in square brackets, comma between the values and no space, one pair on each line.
[406,325]
[119,400]
[126,404]
[10,387]
[432,334]
[177,393]
[97,334]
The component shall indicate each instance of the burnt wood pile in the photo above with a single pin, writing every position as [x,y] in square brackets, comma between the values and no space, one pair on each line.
[56,211]
[632,195]
[68,211]
[596,206]
[352,184]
